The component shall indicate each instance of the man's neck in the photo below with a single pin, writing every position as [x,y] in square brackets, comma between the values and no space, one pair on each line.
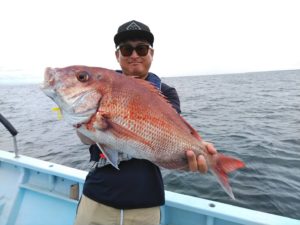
[138,76]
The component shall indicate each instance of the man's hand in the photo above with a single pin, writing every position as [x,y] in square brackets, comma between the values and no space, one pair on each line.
[199,164]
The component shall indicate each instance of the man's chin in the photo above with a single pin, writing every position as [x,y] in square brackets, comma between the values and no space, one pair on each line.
[137,73]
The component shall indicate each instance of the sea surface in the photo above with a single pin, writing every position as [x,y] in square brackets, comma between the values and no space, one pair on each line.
[252,116]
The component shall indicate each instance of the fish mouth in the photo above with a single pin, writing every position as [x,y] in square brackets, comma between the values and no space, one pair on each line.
[49,78]
[75,113]
[48,91]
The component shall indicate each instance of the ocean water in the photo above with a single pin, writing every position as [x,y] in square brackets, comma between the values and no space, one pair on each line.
[252,116]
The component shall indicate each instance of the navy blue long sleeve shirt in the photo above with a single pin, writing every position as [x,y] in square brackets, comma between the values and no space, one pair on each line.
[138,183]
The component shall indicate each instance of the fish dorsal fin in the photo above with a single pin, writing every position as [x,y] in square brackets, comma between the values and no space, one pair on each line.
[146,84]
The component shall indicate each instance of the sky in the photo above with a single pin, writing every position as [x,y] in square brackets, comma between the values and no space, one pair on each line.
[193,37]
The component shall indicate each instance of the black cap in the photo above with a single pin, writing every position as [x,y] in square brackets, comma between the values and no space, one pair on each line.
[133,30]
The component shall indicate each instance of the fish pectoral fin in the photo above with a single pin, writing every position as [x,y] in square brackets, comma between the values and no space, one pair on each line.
[111,155]
[124,133]
[101,121]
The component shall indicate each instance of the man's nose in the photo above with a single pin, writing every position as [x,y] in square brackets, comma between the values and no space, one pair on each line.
[134,54]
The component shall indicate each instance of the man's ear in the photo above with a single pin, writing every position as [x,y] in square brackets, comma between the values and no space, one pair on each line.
[152,52]
[117,53]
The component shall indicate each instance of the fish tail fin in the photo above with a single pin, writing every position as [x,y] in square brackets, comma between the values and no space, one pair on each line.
[223,165]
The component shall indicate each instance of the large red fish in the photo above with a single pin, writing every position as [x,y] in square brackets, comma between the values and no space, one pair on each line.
[129,115]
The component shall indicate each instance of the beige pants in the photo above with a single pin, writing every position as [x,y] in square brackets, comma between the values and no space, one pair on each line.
[92,213]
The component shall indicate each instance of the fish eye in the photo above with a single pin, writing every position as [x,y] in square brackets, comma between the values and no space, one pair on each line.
[82,76]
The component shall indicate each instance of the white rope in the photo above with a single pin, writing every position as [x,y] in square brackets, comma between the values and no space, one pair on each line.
[121,217]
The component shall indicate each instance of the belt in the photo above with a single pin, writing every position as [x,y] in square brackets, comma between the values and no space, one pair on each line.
[103,162]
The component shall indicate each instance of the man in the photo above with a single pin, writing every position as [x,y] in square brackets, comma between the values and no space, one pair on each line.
[132,195]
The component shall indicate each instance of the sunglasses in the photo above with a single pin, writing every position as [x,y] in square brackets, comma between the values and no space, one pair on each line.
[127,49]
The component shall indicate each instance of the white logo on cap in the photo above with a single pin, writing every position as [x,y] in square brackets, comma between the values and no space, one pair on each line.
[133,26]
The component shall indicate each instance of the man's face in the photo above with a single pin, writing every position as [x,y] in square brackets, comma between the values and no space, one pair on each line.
[135,64]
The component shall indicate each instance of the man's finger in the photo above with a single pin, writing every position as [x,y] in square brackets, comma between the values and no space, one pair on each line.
[210,147]
[191,157]
[201,162]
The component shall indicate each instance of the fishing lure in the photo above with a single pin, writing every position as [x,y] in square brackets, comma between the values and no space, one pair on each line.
[59,115]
